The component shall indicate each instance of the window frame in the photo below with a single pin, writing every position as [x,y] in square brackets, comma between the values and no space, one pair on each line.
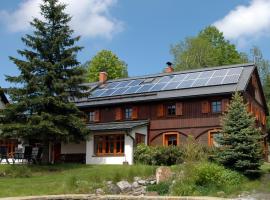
[103,143]
[169,134]
[128,113]
[216,104]
[91,116]
[211,134]
[171,108]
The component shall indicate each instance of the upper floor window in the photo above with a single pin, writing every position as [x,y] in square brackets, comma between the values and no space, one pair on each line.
[91,116]
[128,113]
[171,110]
[216,106]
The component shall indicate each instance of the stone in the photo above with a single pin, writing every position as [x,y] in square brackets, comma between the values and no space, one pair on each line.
[99,191]
[163,174]
[136,178]
[113,189]
[109,182]
[135,184]
[153,182]
[152,194]
[142,182]
[124,186]
[220,193]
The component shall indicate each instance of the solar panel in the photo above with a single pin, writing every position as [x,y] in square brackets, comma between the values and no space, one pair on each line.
[112,85]
[221,72]
[235,71]
[132,89]
[215,81]
[97,93]
[120,91]
[107,92]
[186,84]
[206,74]
[200,82]
[145,88]
[178,78]
[166,79]
[170,82]
[123,84]
[231,79]
[135,82]
[158,87]
[193,75]
[171,86]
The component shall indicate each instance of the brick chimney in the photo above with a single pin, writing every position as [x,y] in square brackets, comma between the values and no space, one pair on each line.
[169,68]
[103,77]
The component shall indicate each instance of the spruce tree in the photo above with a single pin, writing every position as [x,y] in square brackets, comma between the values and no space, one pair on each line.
[49,77]
[240,141]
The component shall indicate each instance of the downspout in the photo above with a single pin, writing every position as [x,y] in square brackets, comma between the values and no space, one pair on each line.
[133,141]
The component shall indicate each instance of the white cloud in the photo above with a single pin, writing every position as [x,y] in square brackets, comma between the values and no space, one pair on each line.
[90,18]
[246,22]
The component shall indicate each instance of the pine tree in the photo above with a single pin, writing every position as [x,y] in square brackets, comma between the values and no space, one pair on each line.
[240,140]
[49,77]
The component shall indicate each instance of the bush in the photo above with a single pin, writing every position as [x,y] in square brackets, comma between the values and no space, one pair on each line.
[158,155]
[16,171]
[206,179]
[161,188]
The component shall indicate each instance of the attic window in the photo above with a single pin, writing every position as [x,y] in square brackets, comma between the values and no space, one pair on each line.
[148,80]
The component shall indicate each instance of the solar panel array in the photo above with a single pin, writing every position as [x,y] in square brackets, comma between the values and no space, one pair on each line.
[169,82]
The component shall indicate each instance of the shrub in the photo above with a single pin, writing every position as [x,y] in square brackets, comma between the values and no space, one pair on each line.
[161,188]
[194,151]
[206,178]
[158,155]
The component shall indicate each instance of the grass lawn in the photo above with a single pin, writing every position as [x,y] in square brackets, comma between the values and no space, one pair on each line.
[21,180]
[24,180]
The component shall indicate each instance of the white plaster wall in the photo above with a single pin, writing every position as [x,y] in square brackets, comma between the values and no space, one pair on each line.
[92,159]
[72,148]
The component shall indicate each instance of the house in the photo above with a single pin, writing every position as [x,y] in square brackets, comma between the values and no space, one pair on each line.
[163,109]
[10,143]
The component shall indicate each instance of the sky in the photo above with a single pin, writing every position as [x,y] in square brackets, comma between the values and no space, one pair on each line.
[139,32]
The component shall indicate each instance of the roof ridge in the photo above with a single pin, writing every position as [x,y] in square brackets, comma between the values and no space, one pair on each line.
[180,72]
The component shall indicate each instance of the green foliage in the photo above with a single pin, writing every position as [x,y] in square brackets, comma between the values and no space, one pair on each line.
[240,143]
[49,75]
[106,61]
[65,178]
[162,188]
[205,178]
[194,151]
[208,48]
[158,155]
[16,171]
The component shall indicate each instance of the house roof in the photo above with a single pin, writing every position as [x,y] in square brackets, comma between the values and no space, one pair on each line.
[117,126]
[236,79]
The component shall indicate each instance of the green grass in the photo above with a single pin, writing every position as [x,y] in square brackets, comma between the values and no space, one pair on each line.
[18,180]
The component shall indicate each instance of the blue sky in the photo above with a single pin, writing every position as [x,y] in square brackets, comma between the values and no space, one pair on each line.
[140,32]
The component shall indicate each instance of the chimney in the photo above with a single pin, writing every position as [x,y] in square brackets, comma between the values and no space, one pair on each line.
[169,68]
[103,77]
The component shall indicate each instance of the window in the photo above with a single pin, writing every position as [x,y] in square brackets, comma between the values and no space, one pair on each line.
[216,106]
[91,116]
[171,110]
[128,113]
[213,138]
[170,139]
[139,138]
[109,144]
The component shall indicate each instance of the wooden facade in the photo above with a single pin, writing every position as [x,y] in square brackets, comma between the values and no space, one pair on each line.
[172,120]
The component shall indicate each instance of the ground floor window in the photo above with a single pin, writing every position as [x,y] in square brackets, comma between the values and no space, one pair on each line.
[10,144]
[112,144]
[170,139]
[140,138]
[213,138]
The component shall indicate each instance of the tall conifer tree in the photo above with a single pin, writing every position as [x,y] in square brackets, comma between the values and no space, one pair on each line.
[240,140]
[49,77]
